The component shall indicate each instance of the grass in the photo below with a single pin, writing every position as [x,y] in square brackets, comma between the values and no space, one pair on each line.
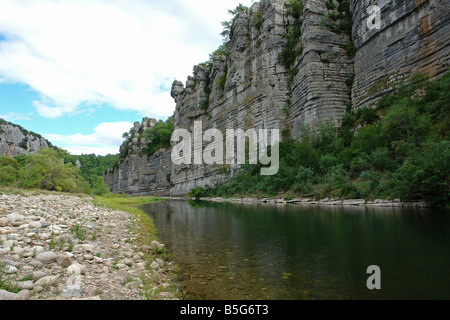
[145,228]
[146,232]
[6,281]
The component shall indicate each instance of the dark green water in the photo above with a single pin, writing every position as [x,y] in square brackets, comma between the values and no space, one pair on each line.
[241,252]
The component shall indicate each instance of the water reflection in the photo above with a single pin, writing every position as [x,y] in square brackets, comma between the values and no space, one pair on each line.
[229,251]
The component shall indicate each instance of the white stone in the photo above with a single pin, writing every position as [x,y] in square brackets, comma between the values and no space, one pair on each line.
[37,250]
[35,224]
[10,269]
[71,291]
[24,294]
[14,217]
[25,285]
[47,257]
[47,281]
[5,295]
[76,269]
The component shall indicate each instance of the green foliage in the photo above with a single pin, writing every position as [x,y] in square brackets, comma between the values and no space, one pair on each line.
[127,136]
[91,166]
[221,81]
[222,50]
[9,170]
[398,150]
[198,192]
[350,49]
[294,8]
[158,137]
[339,21]
[204,104]
[56,170]
[290,51]
[226,33]
[6,281]
[257,20]
[41,170]
[330,5]
[79,232]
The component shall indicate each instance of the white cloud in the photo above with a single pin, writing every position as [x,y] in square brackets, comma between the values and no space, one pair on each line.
[13,116]
[119,52]
[106,138]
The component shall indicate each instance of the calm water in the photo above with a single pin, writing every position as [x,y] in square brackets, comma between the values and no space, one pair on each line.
[241,252]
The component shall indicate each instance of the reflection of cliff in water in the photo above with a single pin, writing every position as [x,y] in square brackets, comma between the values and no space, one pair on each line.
[229,251]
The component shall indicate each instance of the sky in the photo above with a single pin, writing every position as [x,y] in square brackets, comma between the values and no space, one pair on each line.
[81,72]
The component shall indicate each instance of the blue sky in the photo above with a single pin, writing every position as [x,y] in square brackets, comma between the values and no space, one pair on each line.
[81,72]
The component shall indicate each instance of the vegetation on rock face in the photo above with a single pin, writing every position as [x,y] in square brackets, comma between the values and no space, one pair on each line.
[291,49]
[25,132]
[399,149]
[339,20]
[158,137]
[226,33]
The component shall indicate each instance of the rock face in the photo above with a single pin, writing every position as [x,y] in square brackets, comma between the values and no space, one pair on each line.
[139,174]
[338,62]
[16,140]
[413,38]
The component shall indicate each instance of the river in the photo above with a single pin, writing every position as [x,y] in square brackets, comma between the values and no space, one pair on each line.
[249,252]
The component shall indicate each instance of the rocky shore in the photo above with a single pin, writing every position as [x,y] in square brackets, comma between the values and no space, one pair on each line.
[63,247]
[396,203]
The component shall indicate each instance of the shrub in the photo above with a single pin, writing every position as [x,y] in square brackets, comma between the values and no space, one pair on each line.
[158,137]
[197,193]
[8,170]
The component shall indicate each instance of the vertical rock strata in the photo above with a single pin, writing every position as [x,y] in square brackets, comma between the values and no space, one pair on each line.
[339,62]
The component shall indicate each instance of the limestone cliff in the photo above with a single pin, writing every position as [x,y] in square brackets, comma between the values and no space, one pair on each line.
[16,140]
[414,37]
[136,173]
[290,64]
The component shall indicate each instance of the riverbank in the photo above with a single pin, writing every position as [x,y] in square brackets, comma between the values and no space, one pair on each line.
[311,201]
[57,246]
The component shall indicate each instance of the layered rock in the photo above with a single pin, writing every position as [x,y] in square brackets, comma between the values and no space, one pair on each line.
[339,62]
[138,174]
[15,140]
[253,94]
[414,37]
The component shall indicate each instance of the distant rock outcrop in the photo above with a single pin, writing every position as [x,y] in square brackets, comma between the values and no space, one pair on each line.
[16,140]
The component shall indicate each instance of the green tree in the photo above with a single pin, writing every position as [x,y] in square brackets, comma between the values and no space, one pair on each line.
[158,137]
[197,193]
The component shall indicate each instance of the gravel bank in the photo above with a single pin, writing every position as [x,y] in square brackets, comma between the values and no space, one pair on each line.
[63,247]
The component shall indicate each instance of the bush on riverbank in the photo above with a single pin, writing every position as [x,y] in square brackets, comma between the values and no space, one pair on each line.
[40,170]
[400,149]
[48,169]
